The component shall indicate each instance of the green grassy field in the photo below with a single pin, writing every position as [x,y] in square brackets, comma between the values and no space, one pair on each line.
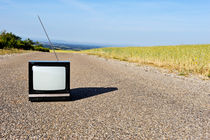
[11,51]
[185,59]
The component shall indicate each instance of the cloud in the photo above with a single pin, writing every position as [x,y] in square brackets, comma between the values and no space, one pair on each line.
[5,4]
[80,5]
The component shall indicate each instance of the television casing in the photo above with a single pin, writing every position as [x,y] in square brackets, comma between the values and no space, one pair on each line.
[49,93]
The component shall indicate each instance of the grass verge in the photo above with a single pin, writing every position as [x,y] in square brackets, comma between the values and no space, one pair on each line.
[11,51]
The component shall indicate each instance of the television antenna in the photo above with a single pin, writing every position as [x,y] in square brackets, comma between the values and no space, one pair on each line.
[51,45]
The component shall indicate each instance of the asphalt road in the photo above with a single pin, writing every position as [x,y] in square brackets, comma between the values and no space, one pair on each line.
[109,100]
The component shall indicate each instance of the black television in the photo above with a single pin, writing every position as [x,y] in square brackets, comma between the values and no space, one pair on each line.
[49,79]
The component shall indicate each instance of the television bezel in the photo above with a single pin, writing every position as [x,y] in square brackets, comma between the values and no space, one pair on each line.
[65,64]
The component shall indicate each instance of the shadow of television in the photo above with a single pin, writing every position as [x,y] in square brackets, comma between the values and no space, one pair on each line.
[77,94]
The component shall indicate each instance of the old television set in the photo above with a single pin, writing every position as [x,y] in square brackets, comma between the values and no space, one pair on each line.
[49,79]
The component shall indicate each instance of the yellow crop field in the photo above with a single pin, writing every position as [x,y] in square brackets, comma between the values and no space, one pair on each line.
[64,51]
[183,58]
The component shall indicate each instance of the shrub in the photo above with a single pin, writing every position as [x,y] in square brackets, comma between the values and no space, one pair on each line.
[40,48]
[9,41]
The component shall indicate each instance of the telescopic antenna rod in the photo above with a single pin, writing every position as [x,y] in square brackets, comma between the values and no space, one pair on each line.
[51,45]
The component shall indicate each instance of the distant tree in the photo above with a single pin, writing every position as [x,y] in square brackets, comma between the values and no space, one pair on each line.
[9,41]
[1,46]
[30,41]
[37,43]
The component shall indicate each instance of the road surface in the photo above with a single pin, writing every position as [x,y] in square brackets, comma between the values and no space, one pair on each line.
[109,100]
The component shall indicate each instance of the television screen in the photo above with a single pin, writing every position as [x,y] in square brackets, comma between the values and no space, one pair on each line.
[49,78]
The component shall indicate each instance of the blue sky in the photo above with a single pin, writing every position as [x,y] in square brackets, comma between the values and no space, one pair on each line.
[114,22]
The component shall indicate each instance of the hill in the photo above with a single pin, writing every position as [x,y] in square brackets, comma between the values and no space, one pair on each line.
[70,46]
